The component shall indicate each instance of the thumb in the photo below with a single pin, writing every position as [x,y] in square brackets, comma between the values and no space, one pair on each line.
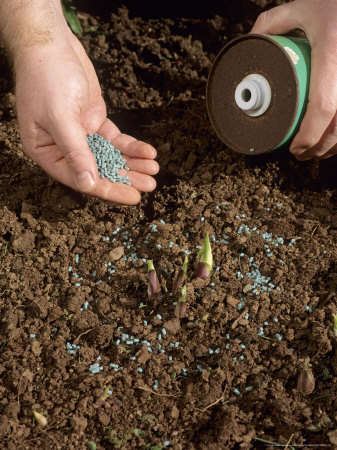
[70,139]
[278,20]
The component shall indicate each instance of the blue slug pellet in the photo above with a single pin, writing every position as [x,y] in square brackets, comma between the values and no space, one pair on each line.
[109,160]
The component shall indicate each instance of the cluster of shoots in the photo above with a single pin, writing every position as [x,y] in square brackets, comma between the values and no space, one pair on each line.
[179,290]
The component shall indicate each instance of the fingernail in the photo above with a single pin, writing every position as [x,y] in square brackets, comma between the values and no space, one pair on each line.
[298,151]
[302,157]
[84,181]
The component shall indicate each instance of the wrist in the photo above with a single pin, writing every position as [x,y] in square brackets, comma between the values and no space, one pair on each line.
[27,26]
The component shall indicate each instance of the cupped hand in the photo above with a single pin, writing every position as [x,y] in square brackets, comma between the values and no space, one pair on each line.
[59,103]
[317,136]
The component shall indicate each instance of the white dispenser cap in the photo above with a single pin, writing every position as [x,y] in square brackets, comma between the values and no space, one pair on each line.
[253,95]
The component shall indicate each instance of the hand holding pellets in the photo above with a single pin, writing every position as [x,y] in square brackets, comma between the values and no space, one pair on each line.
[59,102]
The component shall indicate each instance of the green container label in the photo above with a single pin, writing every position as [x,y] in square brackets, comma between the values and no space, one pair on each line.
[299,52]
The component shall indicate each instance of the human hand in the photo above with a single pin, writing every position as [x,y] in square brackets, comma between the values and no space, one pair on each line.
[59,103]
[317,136]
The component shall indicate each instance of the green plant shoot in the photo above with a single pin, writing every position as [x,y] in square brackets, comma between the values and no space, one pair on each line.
[206,260]
[180,278]
[70,13]
[153,289]
[181,306]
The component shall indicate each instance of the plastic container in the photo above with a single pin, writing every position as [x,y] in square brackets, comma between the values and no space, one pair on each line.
[257,91]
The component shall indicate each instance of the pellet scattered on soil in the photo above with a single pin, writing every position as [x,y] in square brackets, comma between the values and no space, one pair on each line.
[109,160]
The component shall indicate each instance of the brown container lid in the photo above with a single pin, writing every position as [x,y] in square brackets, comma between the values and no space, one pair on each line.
[252,54]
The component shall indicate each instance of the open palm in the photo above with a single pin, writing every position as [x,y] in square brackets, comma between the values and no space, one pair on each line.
[59,103]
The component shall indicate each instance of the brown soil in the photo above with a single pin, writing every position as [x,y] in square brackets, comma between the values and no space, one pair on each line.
[153,73]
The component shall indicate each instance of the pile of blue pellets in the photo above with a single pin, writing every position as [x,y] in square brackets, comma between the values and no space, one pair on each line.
[109,160]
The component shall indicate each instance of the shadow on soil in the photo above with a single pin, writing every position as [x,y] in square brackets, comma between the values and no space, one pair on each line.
[199,9]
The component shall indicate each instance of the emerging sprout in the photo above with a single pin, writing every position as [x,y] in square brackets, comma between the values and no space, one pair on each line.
[40,419]
[335,324]
[70,13]
[164,285]
[180,278]
[306,380]
[91,445]
[153,289]
[205,264]
[101,401]
[181,306]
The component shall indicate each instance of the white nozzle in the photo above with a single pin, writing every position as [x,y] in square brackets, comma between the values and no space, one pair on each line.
[253,95]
